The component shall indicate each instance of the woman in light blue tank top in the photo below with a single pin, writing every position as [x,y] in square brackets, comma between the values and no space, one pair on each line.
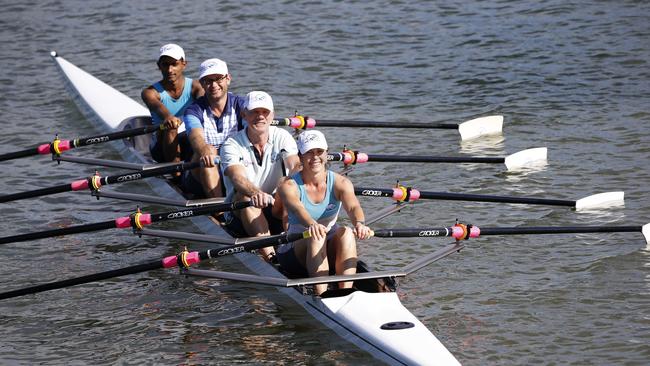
[313,198]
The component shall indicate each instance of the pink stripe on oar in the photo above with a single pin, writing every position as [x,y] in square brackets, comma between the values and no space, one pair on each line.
[122,222]
[362,158]
[458,232]
[44,149]
[172,261]
[79,185]
[310,123]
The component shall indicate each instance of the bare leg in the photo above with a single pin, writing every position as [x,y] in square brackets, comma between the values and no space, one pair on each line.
[255,224]
[343,248]
[171,148]
[209,178]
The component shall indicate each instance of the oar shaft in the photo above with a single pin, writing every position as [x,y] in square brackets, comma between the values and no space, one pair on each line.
[98,139]
[434,159]
[96,182]
[59,146]
[84,279]
[36,193]
[19,154]
[59,232]
[558,230]
[138,220]
[356,157]
[375,124]
[186,258]
[501,199]
[399,194]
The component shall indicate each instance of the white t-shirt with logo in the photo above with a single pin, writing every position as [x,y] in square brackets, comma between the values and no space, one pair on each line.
[238,150]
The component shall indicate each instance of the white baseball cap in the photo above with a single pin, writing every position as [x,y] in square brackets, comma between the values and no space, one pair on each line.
[311,139]
[259,99]
[212,66]
[172,50]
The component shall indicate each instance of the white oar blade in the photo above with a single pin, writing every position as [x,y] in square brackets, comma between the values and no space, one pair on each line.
[472,129]
[601,200]
[646,234]
[527,158]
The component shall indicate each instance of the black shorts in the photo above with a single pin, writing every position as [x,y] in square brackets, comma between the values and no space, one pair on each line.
[184,142]
[234,226]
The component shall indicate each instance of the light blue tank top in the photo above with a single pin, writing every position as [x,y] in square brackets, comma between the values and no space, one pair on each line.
[175,106]
[325,213]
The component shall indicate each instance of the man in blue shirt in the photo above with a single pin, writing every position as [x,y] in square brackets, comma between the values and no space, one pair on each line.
[209,122]
[167,100]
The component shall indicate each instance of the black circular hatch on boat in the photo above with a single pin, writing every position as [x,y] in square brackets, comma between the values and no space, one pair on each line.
[397,325]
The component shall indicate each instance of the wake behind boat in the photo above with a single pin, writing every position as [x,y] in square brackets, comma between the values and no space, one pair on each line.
[371,317]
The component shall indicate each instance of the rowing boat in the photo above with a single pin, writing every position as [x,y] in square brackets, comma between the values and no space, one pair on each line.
[372,317]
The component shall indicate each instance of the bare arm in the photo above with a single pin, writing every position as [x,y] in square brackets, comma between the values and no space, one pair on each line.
[344,191]
[237,175]
[292,164]
[151,98]
[206,153]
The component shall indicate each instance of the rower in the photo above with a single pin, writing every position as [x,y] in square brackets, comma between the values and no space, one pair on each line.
[167,100]
[313,198]
[254,161]
[209,122]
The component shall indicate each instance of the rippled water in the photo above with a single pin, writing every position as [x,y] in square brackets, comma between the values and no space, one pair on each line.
[572,76]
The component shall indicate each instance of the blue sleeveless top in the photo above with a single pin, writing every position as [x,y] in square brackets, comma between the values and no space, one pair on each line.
[175,106]
[325,213]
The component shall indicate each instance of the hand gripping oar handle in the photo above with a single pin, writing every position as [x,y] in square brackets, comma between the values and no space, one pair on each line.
[181,260]
[95,182]
[136,221]
[58,146]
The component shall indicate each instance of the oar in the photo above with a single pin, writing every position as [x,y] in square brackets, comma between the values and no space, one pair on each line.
[468,130]
[184,259]
[137,221]
[401,194]
[94,182]
[468,231]
[58,146]
[521,159]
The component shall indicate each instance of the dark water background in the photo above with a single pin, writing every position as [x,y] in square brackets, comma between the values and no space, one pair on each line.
[569,75]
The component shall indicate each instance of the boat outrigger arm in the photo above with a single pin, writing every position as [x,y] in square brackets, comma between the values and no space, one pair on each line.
[286,282]
[110,163]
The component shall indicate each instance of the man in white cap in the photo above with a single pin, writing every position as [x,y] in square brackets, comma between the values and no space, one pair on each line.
[209,122]
[254,160]
[313,198]
[167,100]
